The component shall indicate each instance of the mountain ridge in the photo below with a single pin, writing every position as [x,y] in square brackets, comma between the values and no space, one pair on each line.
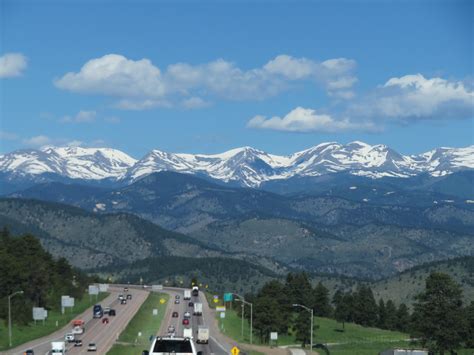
[245,166]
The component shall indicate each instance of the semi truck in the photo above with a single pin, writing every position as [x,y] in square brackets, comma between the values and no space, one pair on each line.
[187,294]
[195,291]
[197,309]
[58,347]
[202,335]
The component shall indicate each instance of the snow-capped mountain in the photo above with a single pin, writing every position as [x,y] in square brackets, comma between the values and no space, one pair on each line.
[68,162]
[244,166]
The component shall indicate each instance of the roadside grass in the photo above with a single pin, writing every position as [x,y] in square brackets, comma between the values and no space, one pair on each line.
[144,322]
[24,333]
[354,340]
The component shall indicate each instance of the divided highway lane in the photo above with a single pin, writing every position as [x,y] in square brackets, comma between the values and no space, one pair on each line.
[215,346]
[103,335]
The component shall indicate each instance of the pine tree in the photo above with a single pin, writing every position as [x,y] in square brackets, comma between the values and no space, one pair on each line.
[302,327]
[344,308]
[403,318]
[470,325]
[365,307]
[382,318]
[440,322]
[321,305]
[391,315]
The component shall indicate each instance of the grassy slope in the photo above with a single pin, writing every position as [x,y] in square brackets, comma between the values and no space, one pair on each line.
[145,322]
[23,334]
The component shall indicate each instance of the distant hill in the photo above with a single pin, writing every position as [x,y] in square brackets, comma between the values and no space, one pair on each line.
[90,240]
[339,233]
[404,286]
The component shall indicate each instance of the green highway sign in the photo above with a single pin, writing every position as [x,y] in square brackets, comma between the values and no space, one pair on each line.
[228,297]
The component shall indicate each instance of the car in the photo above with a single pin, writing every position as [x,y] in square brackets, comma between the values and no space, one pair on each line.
[120,297]
[129,297]
[78,342]
[172,345]
[92,347]
[112,313]
[191,304]
[69,337]
[125,289]
[29,352]
[106,310]
[175,315]
[177,297]
[123,301]
[176,301]
[185,321]
[187,315]
[105,320]
[171,329]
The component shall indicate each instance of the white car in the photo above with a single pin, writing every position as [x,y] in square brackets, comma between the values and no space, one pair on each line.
[92,347]
[106,310]
[172,345]
[187,315]
[69,337]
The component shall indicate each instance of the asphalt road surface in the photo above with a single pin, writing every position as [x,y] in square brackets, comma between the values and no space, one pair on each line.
[103,335]
[215,346]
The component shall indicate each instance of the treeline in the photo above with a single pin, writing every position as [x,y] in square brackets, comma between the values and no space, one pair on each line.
[439,321]
[26,266]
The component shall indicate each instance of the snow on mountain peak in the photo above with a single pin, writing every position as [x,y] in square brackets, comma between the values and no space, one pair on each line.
[246,166]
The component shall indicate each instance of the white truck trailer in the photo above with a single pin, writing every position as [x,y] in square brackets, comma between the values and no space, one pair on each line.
[202,335]
[187,294]
[198,309]
[58,347]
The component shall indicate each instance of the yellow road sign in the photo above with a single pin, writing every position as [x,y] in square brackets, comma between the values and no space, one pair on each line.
[162,301]
[235,351]
[216,300]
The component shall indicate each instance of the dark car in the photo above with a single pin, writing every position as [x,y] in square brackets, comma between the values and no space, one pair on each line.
[29,352]
[185,321]
[175,315]
[176,301]
[112,312]
[129,297]
[191,304]
[125,289]
[78,342]
[124,301]
[105,320]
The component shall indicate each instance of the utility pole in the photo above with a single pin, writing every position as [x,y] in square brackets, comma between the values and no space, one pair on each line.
[10,315]
[242,299]
[310,310]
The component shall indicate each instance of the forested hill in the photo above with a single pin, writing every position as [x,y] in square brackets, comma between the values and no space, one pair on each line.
[26,266]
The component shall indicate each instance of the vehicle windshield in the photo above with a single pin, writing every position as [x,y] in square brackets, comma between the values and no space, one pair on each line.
[173,346]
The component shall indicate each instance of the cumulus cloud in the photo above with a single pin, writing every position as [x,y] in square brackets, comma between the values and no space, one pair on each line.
[306,120]
[140,84]
[80,117]
[414,97]
[12,65]
[194,102]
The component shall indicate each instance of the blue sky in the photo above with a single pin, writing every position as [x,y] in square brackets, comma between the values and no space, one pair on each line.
[280,76]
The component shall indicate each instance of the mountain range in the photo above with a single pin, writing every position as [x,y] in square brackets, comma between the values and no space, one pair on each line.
[246,166]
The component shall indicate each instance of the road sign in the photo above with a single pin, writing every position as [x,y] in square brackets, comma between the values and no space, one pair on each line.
[235,351]
[93,290]
[103,287]
[162,301]
[216,297]
[222,314]
[155,312]
[220,308]
[156,287]
[216,300]
[39,313]
[274,336]
[67,301]
[228,297]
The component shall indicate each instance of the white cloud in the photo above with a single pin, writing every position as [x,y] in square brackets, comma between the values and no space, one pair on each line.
[141,85]
[80,117]
[37,141]
[12,65]
[194,102]
[112,119]
[306,120]
[414,97]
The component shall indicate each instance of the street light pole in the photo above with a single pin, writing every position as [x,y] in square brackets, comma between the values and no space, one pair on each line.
[241,299]
[10,315]
[310,310]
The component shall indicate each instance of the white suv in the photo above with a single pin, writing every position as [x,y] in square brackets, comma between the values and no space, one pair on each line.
[172,345]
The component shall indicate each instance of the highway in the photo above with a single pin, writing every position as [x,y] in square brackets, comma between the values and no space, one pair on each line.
[103,335]
[216,346]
